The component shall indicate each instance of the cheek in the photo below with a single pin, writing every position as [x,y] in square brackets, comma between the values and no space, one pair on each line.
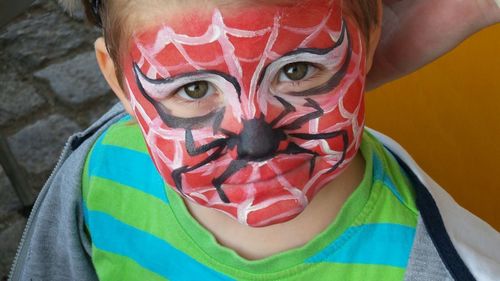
[353,97]
[343,112]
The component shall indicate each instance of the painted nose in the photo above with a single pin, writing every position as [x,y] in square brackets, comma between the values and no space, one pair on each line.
[258,140]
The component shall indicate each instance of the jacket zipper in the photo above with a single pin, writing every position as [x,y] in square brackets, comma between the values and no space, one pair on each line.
[22,250]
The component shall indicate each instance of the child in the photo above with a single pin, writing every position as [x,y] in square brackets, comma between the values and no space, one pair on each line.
[243,156]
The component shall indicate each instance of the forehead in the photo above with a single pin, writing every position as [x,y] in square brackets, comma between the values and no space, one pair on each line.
[195,39]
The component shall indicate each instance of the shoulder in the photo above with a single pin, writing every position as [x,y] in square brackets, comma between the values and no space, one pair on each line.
[467,245]
[62,239]
[119,158]
[119,144]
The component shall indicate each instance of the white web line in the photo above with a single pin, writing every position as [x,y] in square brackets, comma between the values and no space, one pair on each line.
[204,64]
[320,27]
[153,63]
[218,32]
[256,75]
[228,49]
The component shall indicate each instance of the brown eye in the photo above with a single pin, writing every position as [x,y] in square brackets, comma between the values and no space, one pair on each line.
[296,71]
[196,90]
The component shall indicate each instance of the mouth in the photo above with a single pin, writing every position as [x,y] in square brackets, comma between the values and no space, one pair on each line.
[266,171]
[291,167]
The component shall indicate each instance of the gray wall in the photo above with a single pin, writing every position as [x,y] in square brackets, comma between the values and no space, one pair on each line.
[50,87]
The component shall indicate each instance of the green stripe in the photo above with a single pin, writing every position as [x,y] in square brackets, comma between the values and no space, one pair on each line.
[356,208]
[116,267]
[401,182]
[377,244]
[351,272]
[383,210]
[126,133]
[141,208]
[394,172]
[85,176]
[371,202]
[127,167]
[143,211]
[147,250]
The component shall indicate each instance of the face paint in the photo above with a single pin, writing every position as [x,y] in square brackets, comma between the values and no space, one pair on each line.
[251,112]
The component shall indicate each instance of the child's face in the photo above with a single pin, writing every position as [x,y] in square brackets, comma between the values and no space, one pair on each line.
[253,110]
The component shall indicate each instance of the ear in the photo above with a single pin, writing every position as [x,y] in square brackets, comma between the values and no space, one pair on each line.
[372,44]
[107,66]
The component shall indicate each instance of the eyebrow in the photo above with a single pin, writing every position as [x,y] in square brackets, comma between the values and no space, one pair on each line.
[314,51]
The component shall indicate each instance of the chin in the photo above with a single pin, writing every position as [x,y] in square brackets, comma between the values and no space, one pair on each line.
[279,213]
[257,204]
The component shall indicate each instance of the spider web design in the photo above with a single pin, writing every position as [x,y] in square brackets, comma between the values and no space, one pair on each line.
[167,145]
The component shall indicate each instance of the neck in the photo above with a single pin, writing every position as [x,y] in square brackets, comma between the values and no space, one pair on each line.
[258,243]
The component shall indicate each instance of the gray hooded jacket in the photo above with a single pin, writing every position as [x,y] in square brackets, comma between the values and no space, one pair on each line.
[450,242]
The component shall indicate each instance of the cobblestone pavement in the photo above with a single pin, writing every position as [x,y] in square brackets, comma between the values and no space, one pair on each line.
[50,88]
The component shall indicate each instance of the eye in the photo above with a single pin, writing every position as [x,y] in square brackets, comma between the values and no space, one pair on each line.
[196,90]
[295,71]
[299,76]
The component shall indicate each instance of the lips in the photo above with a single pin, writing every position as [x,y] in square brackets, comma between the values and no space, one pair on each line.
[289,171]
[280,165]
[213,161]
[261,203]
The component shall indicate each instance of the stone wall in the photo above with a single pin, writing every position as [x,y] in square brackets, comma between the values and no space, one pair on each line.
[50,87]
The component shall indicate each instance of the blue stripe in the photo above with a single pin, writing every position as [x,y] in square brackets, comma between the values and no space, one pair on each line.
[378,244]
[380,174]
[126,118]
[150,252]
[127,167]
[378,168]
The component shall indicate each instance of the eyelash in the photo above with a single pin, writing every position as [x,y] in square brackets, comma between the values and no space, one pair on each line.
[313,67]
[183,101]
[308,79]
[193,104]
[318,69]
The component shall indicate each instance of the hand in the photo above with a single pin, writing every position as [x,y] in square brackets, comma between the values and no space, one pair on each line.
[416,32]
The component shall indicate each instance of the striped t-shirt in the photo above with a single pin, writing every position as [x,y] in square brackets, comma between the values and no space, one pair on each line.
[141,230]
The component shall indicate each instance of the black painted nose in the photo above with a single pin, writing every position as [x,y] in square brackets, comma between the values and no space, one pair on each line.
[258,140]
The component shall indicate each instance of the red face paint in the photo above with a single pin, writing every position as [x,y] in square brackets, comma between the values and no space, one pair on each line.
[255,144]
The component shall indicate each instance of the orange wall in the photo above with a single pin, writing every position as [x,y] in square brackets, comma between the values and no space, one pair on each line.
[447,115]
